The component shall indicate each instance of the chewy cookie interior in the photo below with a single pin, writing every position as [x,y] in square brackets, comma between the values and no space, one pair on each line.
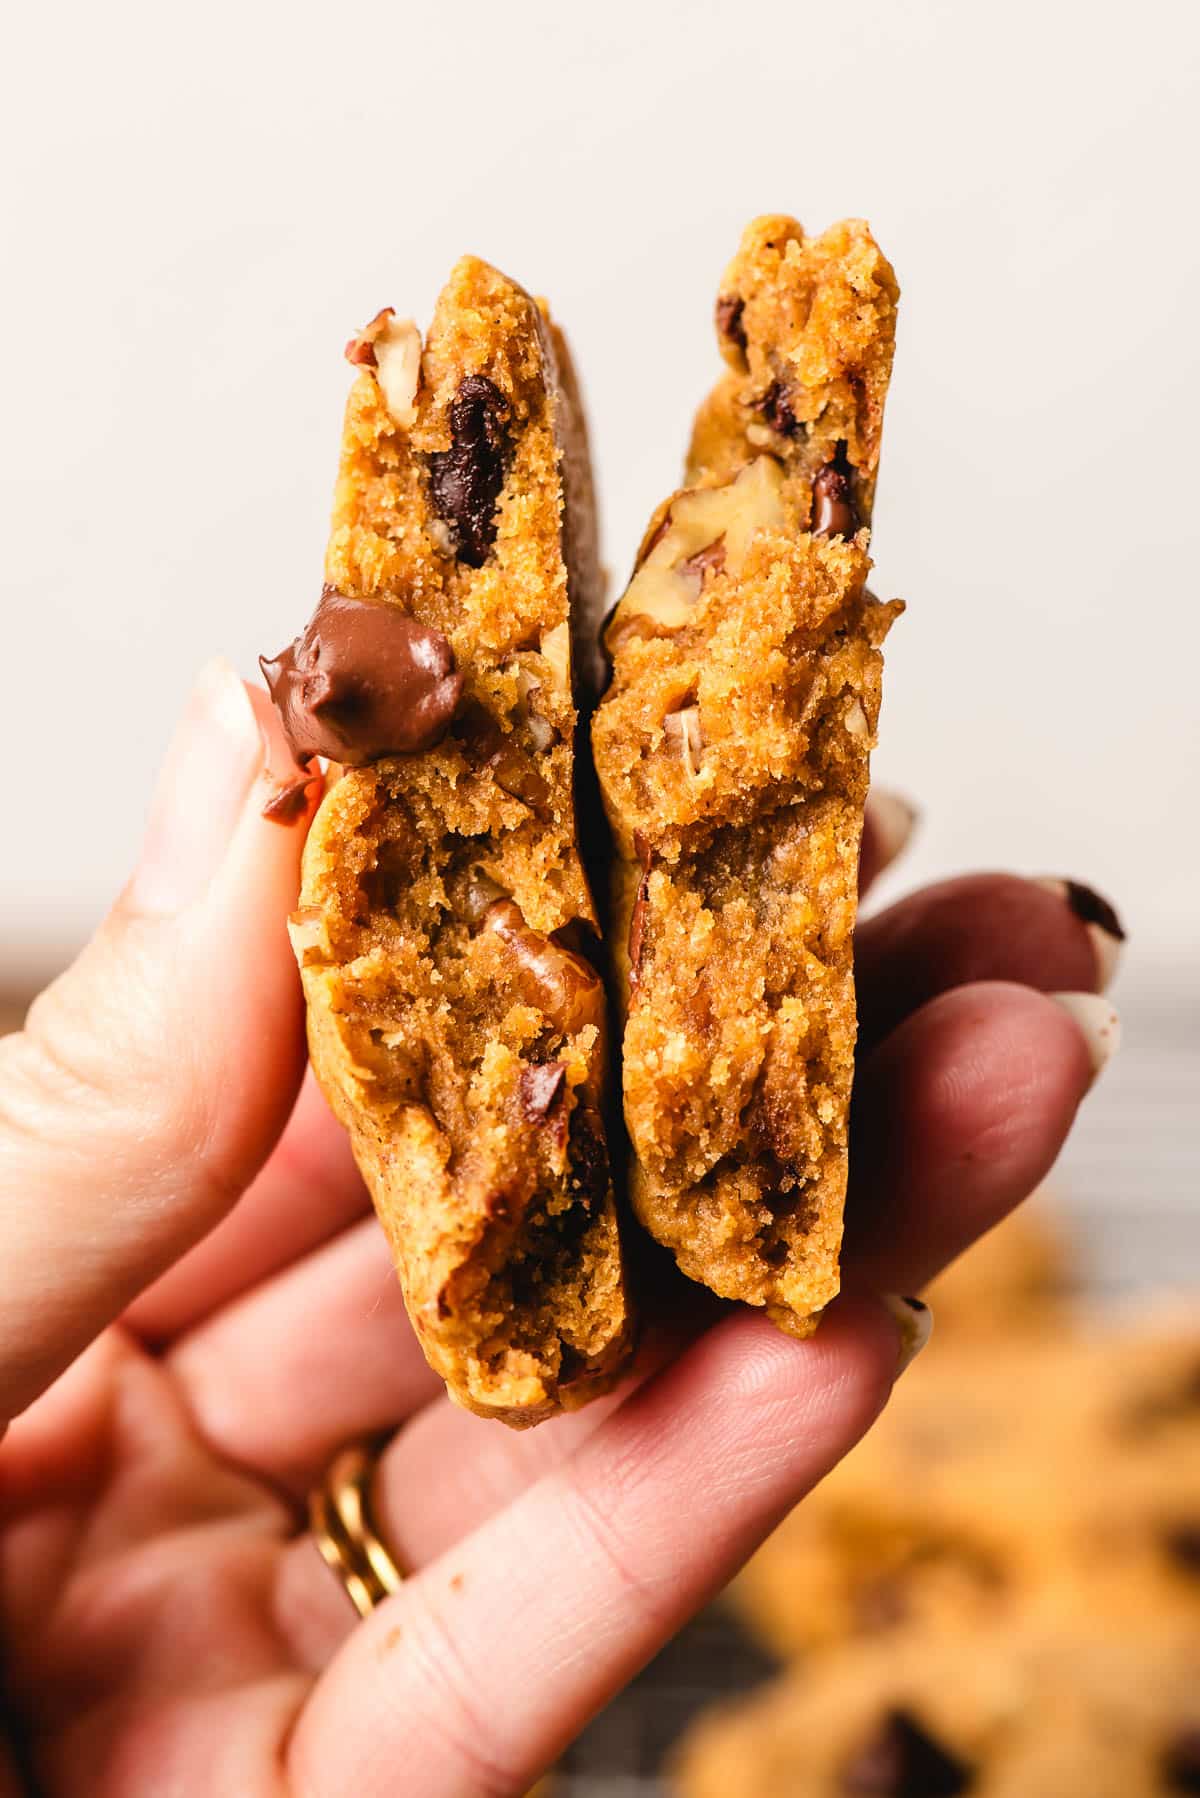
[446,925]
[732,748]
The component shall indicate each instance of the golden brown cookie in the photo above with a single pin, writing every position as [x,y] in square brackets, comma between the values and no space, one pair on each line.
[1053,1459]
[1048,1707]
[446,928]
[732,749]
[1019,1274]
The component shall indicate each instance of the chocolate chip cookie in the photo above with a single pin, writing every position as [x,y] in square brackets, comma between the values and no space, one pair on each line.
[1055,1459]
[446,932]
[1050,1707]
[732,749]
[1018,1275]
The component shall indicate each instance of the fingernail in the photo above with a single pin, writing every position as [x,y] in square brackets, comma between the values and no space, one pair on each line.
[1098,918]
[893,821]
[1098,1022]
[914,1320]
[215,755]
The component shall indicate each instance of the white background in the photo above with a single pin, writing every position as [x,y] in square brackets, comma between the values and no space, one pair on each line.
[203,203]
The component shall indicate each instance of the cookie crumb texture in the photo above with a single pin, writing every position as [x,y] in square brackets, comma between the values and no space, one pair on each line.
[732,748]
[455,1022]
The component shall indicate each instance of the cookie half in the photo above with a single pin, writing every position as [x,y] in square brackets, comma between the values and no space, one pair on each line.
[732,748]
[445,932]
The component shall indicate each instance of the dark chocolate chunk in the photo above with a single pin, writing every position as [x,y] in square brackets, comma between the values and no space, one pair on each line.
[539,1089]
[729,319]
[902,1761]
[364,680]
[833,507]
[777,412]
[1181,1762]
[1092,908]
[466,479]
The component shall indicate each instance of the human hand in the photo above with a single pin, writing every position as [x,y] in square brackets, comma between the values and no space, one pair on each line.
[167,1623]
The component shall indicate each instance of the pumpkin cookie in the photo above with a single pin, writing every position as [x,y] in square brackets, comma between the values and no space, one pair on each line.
[1051,1457]
[446,928]
[1048,1707]
[732,750]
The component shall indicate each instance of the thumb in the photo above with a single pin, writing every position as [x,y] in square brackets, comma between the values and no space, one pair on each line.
[153,1077]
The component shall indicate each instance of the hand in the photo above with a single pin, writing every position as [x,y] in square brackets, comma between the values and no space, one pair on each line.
[167,1625]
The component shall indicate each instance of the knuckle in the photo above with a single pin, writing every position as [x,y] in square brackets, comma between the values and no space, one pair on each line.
[602,1534]
[93,1073]
[442,1683]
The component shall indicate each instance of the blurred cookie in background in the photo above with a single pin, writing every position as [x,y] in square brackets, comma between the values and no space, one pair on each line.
[1047,1707]
[1021,1271]
[1038,1439]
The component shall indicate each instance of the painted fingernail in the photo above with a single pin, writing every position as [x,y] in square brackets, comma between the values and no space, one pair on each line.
[914,1320]
[215,755]
[893,821]
[1098,918]
[1098,1022]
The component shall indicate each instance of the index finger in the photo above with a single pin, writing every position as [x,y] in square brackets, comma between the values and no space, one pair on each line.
[153,1078]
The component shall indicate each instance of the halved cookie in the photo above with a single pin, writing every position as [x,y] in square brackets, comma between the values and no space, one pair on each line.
[456,1022]
[732,749]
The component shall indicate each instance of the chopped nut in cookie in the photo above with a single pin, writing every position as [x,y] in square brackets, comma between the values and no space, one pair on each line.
[555,647]
[398,369]
[684,738]
[706,530]
[360,351]
[563,985]
[540,1088]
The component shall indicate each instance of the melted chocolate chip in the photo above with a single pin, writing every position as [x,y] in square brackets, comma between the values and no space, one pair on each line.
[833,507]
[364,680]
[777,412]
[466,479]
[539,1088]
[1091,908]
[729,319]
[1181,1762]
[902,1761]
[291,800]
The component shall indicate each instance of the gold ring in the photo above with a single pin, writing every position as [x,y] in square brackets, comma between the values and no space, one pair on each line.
[340,1518]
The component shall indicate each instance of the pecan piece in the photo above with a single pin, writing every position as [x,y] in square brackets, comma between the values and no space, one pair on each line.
[539,1088]
[777,411]
[563,985]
